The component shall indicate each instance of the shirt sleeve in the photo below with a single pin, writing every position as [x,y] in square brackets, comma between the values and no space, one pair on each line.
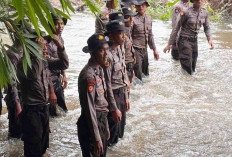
[179,22]
[206,26]
[91,109]
[151,41]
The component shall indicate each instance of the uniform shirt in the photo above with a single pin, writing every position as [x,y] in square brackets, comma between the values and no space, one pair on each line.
[142,32]
[178,7]
[53,53]
[129,50]
[34,86]
[190,23]
[92,94]
[13,86]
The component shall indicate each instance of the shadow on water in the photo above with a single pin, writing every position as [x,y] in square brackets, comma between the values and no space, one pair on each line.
[172,113]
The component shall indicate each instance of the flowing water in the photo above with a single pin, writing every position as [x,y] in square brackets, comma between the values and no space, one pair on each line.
[172,113]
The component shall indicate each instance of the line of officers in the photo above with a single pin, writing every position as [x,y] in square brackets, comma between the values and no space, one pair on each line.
[118,49]
[36,95]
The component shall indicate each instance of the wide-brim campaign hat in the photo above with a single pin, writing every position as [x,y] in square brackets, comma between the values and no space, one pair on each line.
[94,42]
[128,12]
[140,2]
[114,26]
[127,3]
[117,15]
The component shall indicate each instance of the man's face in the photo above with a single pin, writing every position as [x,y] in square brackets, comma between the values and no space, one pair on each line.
[102,55]
[110,4]
[59,25]
[130,22]
[141,9]
[118,37]
[45,48]
[198,3]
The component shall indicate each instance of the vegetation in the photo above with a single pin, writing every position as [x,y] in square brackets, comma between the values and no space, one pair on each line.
[17,16]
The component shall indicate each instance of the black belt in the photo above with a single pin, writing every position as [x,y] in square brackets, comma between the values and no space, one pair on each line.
[37,107]
[119,90]
[191,39]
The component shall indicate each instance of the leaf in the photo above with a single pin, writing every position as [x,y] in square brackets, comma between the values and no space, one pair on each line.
[68,3]
[18,4]
[62,14]
[35,52]
[43,21]
[50,7]
[27,35]
[32,17]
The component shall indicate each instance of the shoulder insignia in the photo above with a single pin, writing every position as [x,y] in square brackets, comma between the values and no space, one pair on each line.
[91,83]
[107,63]
[177,10]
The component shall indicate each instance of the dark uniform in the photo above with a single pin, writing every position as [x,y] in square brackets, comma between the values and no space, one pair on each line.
[116,71]
[56,78]
[12,99]
[35,95]
[190,23]
[141,36]
[92,124]
[178,7]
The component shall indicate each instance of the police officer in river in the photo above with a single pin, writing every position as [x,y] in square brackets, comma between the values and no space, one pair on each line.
[142,36]
[190,23]
[180,6]
[93,129]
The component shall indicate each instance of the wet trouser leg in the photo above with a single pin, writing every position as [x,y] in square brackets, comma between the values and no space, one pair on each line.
[175,52]
[130,69]
[35,128]
[14,122]
[141,65]
[84,135]
[117,128]
[188,53]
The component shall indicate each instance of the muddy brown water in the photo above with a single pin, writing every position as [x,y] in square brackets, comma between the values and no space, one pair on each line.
[172,113]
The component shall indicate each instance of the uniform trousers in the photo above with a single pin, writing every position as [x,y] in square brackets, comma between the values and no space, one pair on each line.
[142,63]
[117,128]
[35,129]
[85,137]
[188,53]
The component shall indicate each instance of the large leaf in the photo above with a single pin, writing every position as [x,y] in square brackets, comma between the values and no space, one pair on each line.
[62,14]
[18,4]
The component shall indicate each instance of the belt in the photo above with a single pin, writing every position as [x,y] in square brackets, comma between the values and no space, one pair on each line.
[119,90]
[38,107]
[191,39]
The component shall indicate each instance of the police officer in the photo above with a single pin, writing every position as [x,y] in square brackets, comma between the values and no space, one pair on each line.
[180,6]
[142,36]
[130,58]
[58,76]
[102,19]
[190,23]
[12,96]
[93,130]
[37,90]
[116,71]
[128,3]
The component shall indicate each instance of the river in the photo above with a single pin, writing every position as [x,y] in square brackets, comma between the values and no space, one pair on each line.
[172,113]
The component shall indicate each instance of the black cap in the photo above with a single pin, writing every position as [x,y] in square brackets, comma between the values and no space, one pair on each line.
[191,1]
[114,26]
[127,3]
[127,12]
[117,15]
[54,18]
[94,42]
[140,2]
